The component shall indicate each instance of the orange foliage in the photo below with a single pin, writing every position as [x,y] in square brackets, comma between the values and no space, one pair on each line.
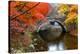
[38,11]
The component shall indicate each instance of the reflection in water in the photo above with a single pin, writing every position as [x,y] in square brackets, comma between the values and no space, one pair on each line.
[71,42]
[66,42]
[53,47]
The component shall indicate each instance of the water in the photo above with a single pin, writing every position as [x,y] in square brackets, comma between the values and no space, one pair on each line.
[65,43]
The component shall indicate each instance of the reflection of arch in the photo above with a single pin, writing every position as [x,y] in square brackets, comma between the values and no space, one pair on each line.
[62,26]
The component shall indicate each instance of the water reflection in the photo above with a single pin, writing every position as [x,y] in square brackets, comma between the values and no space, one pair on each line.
[58,46]
[65,42]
